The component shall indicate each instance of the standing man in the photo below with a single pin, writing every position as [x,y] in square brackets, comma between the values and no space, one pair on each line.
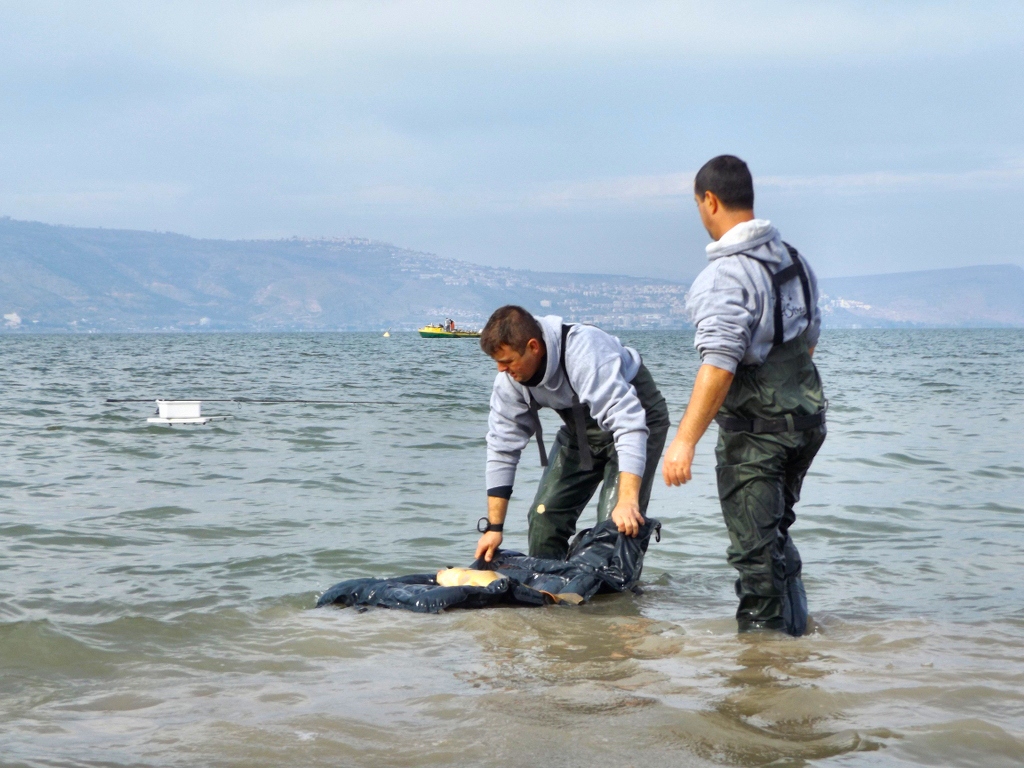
[615,426]
[755,307]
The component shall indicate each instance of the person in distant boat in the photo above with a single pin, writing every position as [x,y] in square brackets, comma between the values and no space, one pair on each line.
[755,307]
[615,419]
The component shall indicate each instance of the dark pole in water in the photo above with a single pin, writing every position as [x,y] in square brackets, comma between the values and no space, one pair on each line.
[259,402]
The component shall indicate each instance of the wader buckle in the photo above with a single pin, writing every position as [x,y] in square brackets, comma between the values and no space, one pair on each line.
[787,423]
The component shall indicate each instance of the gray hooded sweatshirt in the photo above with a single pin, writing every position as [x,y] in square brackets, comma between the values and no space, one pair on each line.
[732,301]
[600,369]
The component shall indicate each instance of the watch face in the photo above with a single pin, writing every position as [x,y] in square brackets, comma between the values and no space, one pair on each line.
[483,525]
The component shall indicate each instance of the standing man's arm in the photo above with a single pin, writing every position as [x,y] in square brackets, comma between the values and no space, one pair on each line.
[709,391]
[723,304]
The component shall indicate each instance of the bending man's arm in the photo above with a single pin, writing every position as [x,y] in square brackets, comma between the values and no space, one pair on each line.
[497,508]
[509,428]
[709,391]
[626,515]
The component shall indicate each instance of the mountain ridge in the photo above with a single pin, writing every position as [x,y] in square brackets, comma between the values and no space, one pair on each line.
[56,278]
[77,279]
[979,296]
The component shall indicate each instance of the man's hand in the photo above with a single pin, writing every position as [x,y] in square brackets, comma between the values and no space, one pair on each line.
[678,460]
[497,508]
[627,518]
[709,391]
[487,545]
[626,515]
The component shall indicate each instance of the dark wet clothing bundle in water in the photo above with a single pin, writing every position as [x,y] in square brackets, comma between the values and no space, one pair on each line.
[600,559]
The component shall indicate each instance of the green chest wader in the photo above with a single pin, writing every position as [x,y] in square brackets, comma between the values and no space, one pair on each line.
[770,428]
[582,458]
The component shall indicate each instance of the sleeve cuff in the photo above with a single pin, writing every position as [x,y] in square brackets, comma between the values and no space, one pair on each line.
[719,360]
[813,332]
[500,492]
[500,476]
[635,465]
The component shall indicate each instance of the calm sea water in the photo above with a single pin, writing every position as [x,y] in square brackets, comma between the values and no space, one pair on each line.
[157,584]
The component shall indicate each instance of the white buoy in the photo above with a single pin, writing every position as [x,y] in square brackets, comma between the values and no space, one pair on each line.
[181,412]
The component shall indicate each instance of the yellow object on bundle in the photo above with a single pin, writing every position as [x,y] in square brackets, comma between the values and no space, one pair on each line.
[466,577]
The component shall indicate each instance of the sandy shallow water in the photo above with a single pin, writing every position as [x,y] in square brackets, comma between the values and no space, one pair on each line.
[157,584]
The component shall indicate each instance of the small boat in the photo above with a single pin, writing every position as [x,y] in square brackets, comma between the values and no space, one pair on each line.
[447,331]
[387,334]
[181,412]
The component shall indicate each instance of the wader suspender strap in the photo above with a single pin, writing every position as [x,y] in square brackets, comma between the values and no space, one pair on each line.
[539,430]
[780,278]
[789,422]
[579,413]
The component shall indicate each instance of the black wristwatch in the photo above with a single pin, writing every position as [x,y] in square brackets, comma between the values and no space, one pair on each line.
[484,525]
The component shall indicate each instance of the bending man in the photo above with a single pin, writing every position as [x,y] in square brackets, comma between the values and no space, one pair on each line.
[756,311]
[615,426]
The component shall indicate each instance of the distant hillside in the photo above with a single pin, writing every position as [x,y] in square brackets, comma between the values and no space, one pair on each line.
[72,279]
[968,296]
[68,278]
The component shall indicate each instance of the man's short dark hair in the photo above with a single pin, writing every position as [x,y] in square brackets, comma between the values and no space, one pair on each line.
[728,178]
[510,326]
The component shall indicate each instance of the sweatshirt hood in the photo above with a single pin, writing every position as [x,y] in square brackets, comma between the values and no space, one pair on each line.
[551,325]
[746,237]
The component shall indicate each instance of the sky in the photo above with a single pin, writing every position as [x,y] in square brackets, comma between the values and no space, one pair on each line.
[883,137]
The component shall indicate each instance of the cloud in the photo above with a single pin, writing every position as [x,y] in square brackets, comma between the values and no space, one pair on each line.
[671,187]
[656,191]
[96,196]
[286,39]
[568,130]
[627,189]
[880,180]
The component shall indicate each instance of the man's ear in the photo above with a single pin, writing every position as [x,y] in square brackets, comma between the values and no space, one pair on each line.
[711,202]
[534,346]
